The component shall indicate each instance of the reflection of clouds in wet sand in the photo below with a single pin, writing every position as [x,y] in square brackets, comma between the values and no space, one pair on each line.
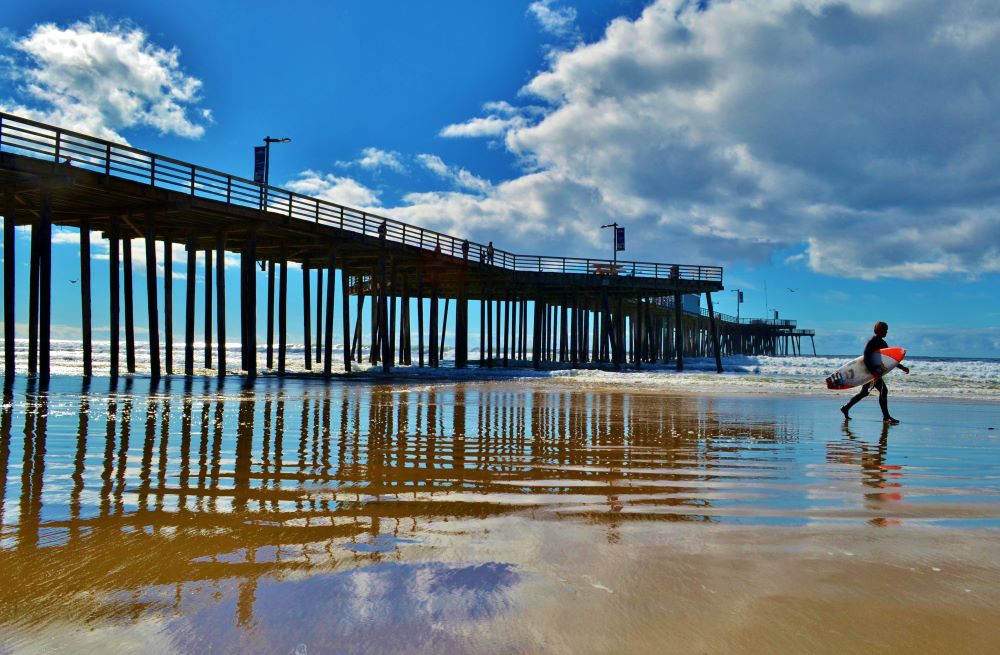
[394,607]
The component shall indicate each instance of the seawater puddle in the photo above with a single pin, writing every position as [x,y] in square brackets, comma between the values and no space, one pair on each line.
[226,518]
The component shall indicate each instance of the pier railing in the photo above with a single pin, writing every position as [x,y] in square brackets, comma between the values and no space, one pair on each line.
[65,147]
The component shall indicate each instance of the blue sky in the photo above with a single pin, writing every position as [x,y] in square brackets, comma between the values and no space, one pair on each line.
[838,159]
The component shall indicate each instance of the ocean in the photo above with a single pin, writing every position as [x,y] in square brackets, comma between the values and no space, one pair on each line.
[938,377]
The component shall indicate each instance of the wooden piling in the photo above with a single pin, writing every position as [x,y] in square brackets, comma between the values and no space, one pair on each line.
[391,350]
[151,300]
[489,330]
[319,314]
[536,341]
[305,318]
[189,307]
[283,312]
[270,315]
[208,308]
[129,305]
[715,333]
[420,320]
[45,287]
[115,293]
[346,317]
[33,272]
[220,299]
[168,307]
[506,331]
[9,217]
[356,342]
[251,289]
[679,331]
[85,305]
[461,330]
[433,330]
[331,271]
[444,326]
[385,340]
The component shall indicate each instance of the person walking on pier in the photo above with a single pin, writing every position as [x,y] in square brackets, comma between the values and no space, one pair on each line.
[465,249]
[875,344]
[489,253]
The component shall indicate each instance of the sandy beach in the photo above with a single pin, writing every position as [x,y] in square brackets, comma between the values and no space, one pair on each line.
[525,515]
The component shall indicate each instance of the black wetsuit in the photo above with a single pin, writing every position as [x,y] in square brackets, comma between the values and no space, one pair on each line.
[875,344]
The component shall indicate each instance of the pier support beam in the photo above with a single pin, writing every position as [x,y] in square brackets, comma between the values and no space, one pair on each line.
[282,312]
[433,331]
[208,308]
[85,308]
[115,293]
[33,268]
[251,295]
[9,212]
[319,315]
[270,316]
[679,331]
[151,303]
[9,216]
[715,333]
[45,290]
[220,299]
[189,308]
[168,307]
[331,271]
[129,306]
[306,323]
[346,318]
[461,330]
[420,320]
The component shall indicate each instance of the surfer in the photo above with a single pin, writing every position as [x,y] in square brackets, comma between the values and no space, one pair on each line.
[875,344]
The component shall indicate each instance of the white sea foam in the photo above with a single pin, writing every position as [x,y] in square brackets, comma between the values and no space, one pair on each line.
[940,377]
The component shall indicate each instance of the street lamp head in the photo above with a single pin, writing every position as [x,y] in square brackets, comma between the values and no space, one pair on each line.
[268,139]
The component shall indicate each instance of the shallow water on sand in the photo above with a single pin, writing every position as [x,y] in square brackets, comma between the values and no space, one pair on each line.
[505,516]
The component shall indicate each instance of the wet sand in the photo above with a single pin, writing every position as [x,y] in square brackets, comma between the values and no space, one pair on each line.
[518,516]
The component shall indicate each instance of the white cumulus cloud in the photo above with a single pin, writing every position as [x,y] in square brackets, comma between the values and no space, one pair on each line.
[375,159]
[102,78]
[853,130]
[556,20]
[341,190]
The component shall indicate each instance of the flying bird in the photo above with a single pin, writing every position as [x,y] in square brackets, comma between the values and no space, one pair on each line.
[792,290]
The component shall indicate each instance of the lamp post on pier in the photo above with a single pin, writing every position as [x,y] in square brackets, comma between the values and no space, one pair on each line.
[617,240]
[739,301]
[262,165]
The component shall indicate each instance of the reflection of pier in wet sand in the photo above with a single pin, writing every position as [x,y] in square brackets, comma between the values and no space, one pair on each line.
[173,490]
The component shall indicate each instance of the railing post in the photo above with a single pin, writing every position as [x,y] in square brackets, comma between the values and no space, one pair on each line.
[290,204]
[152,170]
[341,214]
[316,203]
[229,191]
[58,145]
[107,160]
[192,181]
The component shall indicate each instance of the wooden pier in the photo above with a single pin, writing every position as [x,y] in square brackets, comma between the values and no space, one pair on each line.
[534,310]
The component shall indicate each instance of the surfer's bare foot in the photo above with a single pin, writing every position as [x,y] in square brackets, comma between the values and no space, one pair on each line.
[890,420]
[847,417]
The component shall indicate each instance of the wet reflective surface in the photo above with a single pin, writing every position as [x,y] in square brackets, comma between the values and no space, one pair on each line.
[516,516]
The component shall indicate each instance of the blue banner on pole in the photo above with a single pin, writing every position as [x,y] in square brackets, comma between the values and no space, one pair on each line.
[259,162]
[619,238]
